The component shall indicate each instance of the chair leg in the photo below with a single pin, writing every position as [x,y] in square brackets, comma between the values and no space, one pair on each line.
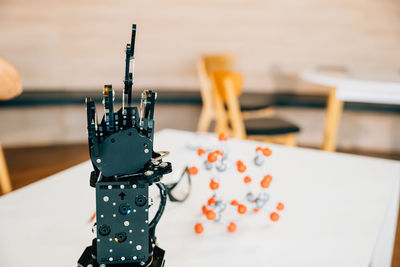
[334,111]
[289,140]
[5,182]
[204,120]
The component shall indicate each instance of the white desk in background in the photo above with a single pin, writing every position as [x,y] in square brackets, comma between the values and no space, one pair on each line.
[341,210]
[367,86]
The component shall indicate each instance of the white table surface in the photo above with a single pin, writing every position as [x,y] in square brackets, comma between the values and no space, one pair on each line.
[370,86]
[336,207]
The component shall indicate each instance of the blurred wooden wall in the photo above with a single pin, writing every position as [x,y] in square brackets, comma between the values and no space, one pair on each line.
[73,45]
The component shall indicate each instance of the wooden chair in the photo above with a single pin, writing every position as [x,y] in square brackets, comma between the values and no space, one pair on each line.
[10,86]
[224,62]
[228,87]
[5,182]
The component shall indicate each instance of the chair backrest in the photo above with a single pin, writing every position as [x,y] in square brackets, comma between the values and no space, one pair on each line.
[205,66]
[228,87]
[10,82]
[216,62]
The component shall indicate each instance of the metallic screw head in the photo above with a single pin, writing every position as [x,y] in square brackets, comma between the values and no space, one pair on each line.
[98,160]
[146,150]
[164,164]
[148,173]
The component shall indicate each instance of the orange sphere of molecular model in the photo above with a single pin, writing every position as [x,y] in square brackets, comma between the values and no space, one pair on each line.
[247,179]
[264,184]
[266,181]
[193,170]
[204,209]
[268,178]
[211,201]
[232,227]
[274,216]
[198,228]
[212,157]
[240,166]
[201,151]
[214,185]
[242,209]
[280,206]
[267,152]
[210,214]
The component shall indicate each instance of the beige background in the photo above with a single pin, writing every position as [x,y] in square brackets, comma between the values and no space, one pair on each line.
[73,45]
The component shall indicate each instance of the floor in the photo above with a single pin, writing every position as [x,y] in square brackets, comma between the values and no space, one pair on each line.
[27,165]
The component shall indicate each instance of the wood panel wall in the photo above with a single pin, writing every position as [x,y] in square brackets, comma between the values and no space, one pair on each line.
[74,45]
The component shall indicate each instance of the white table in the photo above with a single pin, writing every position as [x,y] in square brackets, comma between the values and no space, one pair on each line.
[341,210]
[368,86]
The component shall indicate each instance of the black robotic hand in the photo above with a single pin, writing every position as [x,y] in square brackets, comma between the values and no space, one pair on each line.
[122,143]
[125,166]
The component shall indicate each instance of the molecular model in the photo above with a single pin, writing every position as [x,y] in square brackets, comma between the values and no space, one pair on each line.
[215,162]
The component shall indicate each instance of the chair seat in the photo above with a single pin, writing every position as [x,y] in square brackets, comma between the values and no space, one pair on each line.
[269,126]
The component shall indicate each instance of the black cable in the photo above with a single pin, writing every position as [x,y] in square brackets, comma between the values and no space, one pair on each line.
[157,217]
[171,187]
[164,192]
